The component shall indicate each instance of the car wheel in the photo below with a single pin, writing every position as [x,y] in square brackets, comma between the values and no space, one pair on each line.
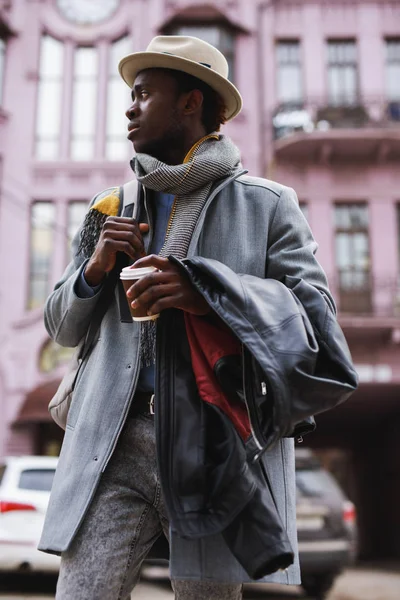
[317,586]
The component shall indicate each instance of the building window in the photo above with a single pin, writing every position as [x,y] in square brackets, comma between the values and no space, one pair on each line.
[53,355]
[217,35]
[41,250]
[84,103]
[48,120]
[118,100]
[393,69]
[289,73]
[342,73]
[76,214]
[352,257]
[2,63]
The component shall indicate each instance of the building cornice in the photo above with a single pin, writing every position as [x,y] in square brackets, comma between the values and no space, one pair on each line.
[6,29]
[327,3]
[200,13]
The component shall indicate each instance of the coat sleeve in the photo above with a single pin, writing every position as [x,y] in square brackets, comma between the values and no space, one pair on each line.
[66,315]
[292,247]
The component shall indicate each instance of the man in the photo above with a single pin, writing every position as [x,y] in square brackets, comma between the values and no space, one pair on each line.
[224,498]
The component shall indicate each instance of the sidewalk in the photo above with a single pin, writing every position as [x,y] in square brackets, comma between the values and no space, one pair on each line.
[368,583]
[360,583]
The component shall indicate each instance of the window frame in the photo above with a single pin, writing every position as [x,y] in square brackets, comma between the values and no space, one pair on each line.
[102,45]
[389,62]
[69,237]
[294,42]
[60,80]
[78,78]
[343,101]
[112,77]
[357,299]
[31,301]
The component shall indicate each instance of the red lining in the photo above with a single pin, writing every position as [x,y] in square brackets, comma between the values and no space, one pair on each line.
[210,340]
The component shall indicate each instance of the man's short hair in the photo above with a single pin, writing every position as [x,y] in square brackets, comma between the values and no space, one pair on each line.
[213,114]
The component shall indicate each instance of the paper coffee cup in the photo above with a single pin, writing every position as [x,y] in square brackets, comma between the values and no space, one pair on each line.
[128,277]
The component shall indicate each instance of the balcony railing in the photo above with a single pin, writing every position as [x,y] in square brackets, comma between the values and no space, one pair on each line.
[310,116]
[367,296]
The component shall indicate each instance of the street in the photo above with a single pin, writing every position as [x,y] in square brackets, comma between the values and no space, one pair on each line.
[354,584]
[42,588]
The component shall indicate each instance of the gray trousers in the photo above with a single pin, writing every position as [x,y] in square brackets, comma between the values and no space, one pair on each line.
[125,518]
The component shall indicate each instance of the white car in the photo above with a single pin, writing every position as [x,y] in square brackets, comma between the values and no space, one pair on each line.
[25,484]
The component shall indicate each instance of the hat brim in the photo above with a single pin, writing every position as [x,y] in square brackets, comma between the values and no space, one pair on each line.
[132,64]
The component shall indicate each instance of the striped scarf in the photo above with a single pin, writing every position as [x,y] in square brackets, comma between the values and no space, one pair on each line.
[211,158]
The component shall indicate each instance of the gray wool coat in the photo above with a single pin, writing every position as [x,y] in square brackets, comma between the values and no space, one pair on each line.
[253,226]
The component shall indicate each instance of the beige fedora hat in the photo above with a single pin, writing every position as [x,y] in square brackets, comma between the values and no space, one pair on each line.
[190,55]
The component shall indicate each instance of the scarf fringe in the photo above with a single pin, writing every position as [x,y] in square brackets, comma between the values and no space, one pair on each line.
[90,234]
[148,343]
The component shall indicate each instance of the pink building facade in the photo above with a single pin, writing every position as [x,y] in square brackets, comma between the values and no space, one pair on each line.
[321,88]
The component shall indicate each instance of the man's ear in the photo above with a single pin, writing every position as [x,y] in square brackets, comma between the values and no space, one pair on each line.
[194,102]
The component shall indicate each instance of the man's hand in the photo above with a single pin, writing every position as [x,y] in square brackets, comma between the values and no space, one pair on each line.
[119,234]
[166,288]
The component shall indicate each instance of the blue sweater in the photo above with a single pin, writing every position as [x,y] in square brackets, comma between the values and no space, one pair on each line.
[161,205]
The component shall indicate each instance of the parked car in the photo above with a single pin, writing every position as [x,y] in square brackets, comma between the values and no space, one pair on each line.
[25,484]
[325,520]
[326,525]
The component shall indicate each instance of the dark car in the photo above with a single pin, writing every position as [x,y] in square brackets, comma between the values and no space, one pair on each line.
[326,525]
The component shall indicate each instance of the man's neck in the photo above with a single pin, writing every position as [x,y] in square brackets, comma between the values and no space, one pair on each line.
[179,155]
[198,143]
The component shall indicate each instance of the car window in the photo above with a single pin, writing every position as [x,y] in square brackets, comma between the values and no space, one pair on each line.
[2,471]
[314,482]
[36,479]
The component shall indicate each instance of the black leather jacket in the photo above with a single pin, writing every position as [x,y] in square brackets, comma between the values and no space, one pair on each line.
[295,364]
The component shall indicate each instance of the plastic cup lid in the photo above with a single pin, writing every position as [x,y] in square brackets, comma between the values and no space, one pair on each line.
[132,273]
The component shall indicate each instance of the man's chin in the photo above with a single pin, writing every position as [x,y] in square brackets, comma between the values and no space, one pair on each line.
[150,149]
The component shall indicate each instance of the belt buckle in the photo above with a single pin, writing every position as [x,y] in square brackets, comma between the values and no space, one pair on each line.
[151,405]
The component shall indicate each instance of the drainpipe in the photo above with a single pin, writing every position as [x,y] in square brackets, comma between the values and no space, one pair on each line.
[266,154]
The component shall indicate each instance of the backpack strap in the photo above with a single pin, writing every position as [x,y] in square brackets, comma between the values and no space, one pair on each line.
[128,207]
[129,196]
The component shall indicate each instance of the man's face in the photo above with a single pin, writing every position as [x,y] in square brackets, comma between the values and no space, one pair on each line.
[155,117]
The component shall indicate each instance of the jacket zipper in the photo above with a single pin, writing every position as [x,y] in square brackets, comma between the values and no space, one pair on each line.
[125,413]
[149,217]
[169,225]
[253,420]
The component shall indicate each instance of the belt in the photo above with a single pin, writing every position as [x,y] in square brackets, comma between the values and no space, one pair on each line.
[142,404]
